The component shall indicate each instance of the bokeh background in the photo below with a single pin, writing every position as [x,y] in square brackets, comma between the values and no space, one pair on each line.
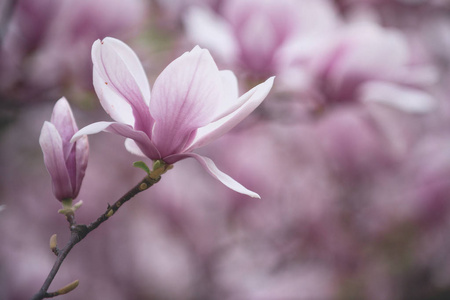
[350,153]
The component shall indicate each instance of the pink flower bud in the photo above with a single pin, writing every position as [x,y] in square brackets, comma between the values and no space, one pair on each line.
[65,161]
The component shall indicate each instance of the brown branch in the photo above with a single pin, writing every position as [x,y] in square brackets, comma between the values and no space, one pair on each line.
[79,232]
[5,17]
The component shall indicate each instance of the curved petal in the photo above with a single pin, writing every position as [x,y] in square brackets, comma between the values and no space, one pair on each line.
[51,144]
[251,100]
[90,129]
[121,71]
[133,148]
[211,168]
[63,119]
[184,97]
[81,158]
[64,122]
[142,140]
[140,137]
[113,103]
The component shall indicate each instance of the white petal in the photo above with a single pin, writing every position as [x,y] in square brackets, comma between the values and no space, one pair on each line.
[133,148]
[120,69]
[126,56]
[229,102]
[251,100]
[114,104]
[229,182]
[90,129]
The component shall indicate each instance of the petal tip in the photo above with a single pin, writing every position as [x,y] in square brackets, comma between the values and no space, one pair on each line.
[270,80]
[254,195]
[75,137]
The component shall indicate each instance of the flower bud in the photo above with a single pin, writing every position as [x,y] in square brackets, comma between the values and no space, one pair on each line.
[65,161]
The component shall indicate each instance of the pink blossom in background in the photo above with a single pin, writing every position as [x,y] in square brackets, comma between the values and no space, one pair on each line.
[249,35]
[192,103]
[423,22]
[53,37]
[363,61]
[170,12]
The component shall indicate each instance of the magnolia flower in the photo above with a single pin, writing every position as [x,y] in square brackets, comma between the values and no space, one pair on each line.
[367,62]
[252,34]
[192,103]
[65,161]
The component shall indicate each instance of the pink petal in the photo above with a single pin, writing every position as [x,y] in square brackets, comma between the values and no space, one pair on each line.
[259,40]
[51,144]
[184,97]
[370,52]
[212,32]
[250,100]
[81,157]
[64,122]
[120,69]
[211,168]
[140,137]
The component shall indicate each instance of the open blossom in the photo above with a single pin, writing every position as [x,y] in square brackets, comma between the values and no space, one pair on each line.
[192,103]
[65,161]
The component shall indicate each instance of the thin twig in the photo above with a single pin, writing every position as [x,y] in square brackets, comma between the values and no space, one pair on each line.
[79,232]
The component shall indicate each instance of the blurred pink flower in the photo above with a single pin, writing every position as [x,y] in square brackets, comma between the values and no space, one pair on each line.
[352,143]
[193,103]
[252,33]
[65,161]
[53,37]
[170,11]
[366,62]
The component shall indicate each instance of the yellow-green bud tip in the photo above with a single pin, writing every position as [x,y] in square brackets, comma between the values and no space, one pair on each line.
[53,242]
[68,288]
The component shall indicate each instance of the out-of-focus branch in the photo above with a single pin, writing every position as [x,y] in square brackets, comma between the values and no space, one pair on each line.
[80,231]
[5,17]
